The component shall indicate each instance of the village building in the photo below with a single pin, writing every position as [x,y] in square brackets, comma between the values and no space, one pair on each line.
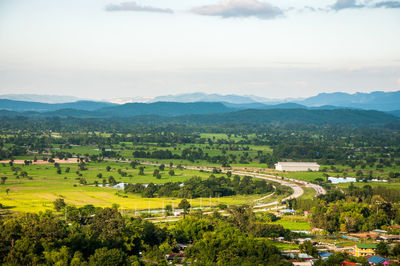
[324,255]
[297,166]
[348,263]
[362,250]
[376,260]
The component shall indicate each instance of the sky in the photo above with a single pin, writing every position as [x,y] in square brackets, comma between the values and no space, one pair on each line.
[104,49]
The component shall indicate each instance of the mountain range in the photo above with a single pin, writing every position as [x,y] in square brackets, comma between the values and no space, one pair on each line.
[337,108]
[378,100]
[23,106]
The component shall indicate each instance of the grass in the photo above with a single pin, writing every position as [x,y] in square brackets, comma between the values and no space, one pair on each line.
[309,193]
[46,185]
[283,246]
[293,222]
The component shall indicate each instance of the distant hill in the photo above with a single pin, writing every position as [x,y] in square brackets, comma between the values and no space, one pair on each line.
[40,98]
[21,106]
[378,100]
[159,113]
[264,106]
[395,113]
[204,97]
[301,116]
[164,109]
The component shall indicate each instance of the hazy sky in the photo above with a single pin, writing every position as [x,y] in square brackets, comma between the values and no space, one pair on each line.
[289,48]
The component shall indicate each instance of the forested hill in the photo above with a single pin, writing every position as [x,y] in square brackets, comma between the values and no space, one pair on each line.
[22,106]
[301,116]
[164,109]
[250,116]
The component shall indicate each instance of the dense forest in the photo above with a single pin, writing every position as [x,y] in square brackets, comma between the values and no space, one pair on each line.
[95,236]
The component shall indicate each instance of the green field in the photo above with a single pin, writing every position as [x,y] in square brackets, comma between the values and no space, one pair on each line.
[284,246]
[309,193]
[34,195]
[294,222]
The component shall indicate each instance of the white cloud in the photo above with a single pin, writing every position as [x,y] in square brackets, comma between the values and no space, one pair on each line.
[388,4]
[133,6]
[240,8]
[344,4]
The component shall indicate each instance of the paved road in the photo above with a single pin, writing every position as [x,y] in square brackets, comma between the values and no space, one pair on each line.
[289,182]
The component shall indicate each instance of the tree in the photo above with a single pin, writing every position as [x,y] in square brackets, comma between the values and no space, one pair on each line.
[396,249]
[242,216]
[7,190]
[171,172]
[168,210]
[156,172]
[3,180]
[112,181]
[108,168]
[382,249]
[58,257]
[185,206]
[108,225]
[134,164]
[108,257]
[59,204]
[161,167]
[308,247]
[141,170]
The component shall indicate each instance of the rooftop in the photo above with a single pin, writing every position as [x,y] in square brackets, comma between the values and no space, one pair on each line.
[377,259]
[297,163]
[366,246]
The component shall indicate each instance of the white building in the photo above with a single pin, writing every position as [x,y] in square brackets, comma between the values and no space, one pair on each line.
[296,166]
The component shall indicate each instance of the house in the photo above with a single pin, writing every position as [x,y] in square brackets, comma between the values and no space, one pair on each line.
[304,256]
[362,250]
[380,231]
[303,263]
[324,255]
[375,260]
[387,238]
[348,263]
[296,166]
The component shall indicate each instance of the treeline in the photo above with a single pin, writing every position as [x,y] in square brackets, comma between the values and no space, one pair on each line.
[104,237]
[331,144]
[193,154]
[211,187]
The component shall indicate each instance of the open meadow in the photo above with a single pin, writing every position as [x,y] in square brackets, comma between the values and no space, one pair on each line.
[35,187]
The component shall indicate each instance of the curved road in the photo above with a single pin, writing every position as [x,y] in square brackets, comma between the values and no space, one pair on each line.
[289,182]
